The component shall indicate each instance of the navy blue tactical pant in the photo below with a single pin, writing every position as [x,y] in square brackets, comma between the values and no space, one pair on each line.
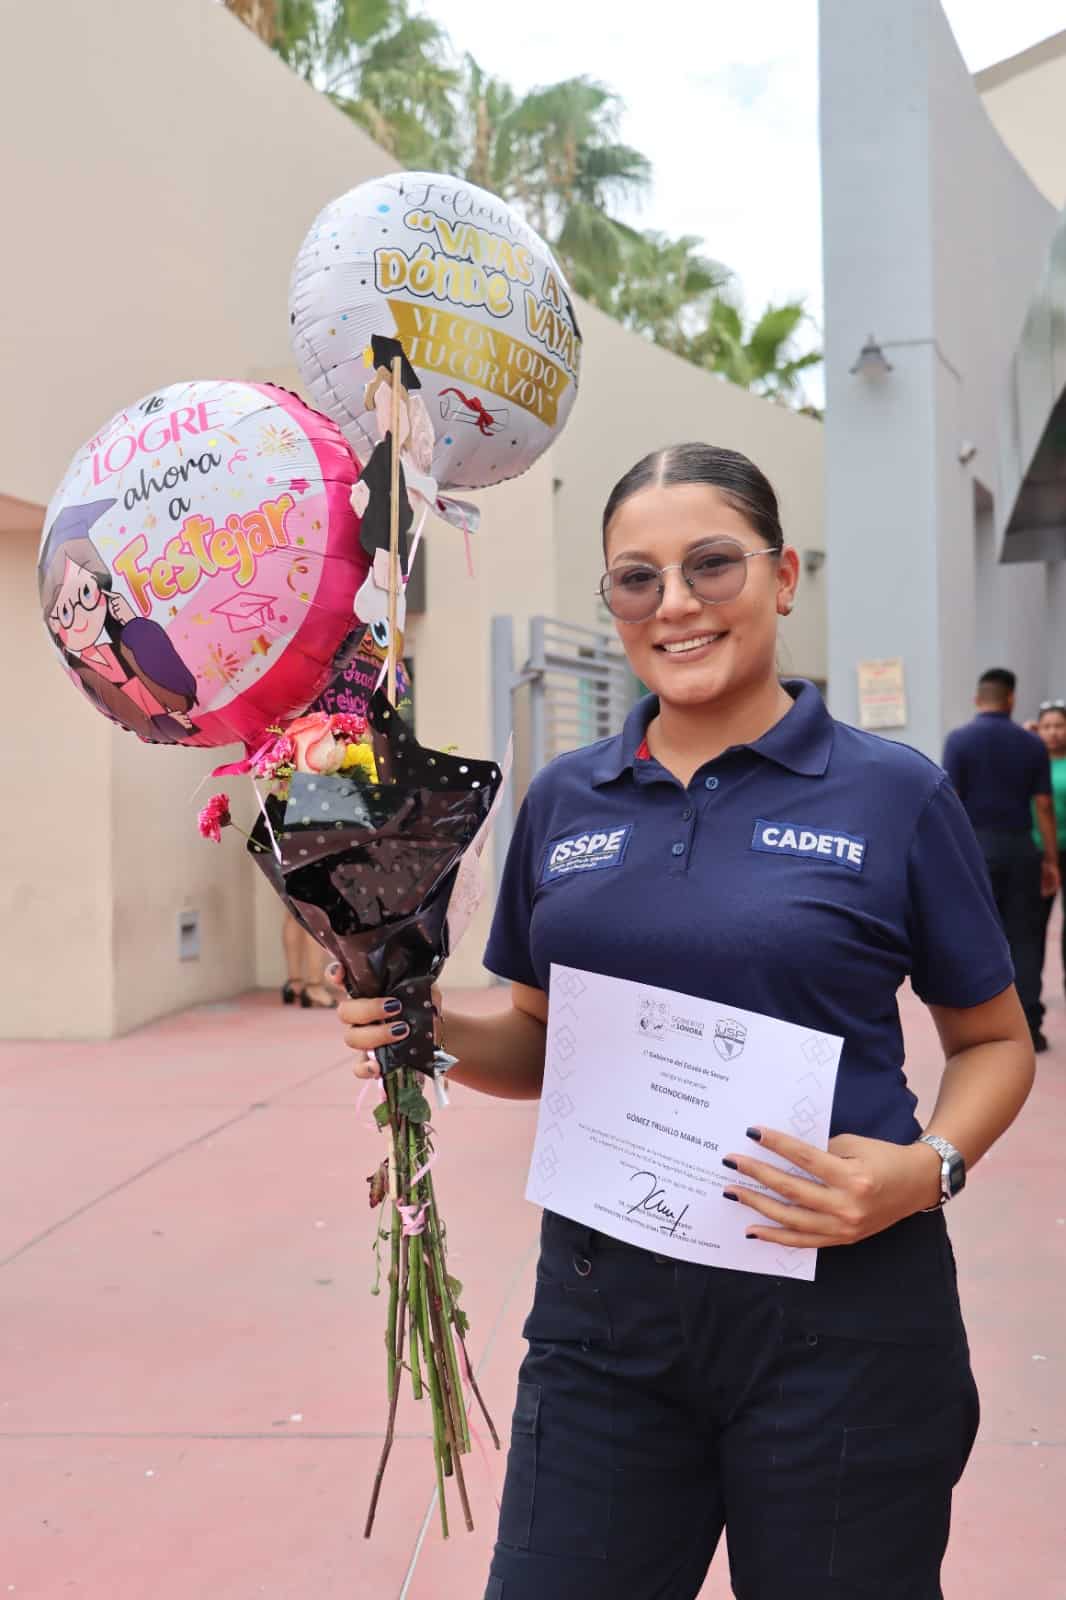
[821,1425]
[1013,863]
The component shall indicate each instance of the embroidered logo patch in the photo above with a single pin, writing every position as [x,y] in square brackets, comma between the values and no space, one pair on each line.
[586,852]
[793,839]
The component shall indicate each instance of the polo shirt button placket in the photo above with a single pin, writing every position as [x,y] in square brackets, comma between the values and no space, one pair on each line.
[710,783]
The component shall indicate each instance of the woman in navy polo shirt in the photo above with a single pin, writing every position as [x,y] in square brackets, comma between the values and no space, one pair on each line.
[821,1424]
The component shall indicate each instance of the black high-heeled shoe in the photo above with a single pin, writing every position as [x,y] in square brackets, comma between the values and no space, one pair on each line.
[291,991]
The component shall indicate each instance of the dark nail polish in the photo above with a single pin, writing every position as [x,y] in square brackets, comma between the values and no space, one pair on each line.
[399,1030]
[393,1008]
[751,1236]
[727,1196]
[727,1161]
[753,1133]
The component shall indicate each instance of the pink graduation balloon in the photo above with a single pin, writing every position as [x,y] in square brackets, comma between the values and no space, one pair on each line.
[478,304]
[200,561]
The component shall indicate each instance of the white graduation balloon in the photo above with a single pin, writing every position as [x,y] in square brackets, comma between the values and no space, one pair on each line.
[478,303]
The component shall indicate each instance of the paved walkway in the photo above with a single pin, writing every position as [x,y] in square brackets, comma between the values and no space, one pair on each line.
[191,1375]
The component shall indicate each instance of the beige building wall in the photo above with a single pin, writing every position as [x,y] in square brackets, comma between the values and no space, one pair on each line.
[160,212]
[56,856]
[1025,96]
[635,398]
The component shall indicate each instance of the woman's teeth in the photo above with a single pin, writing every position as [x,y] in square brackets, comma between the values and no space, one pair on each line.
[684,645]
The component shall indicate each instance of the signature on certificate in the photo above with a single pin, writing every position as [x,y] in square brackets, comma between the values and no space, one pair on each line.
[654,1203]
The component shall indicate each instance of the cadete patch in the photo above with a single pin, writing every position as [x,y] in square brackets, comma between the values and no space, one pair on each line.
[586,851]
[821,844]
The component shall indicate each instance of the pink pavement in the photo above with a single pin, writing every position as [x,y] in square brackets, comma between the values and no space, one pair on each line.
[191,1366]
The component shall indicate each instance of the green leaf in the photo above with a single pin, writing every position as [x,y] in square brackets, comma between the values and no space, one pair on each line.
[381,1114]
[412,1103]
[455,1288]
[462,1322]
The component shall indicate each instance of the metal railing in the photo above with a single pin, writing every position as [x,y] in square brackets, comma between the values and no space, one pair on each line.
[580,689]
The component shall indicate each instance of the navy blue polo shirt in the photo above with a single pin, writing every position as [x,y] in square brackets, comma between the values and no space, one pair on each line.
[996,768]
[804,876]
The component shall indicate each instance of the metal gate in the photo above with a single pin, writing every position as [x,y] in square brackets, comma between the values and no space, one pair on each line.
[579,690]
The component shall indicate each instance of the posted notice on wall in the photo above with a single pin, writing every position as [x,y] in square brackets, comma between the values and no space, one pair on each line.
[882,694]
[645,1090]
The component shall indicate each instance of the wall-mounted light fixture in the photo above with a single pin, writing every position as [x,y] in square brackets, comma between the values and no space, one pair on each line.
[813,561]
[872,361]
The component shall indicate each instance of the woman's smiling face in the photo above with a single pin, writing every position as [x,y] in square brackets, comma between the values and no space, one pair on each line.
[690,651]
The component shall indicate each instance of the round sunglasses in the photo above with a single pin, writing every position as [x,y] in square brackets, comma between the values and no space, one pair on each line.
[715,573]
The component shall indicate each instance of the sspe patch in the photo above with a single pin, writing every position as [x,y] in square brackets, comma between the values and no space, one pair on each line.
[820,844]
[587,851]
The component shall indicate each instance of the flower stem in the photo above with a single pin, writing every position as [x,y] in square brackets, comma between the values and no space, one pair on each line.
[398,1275]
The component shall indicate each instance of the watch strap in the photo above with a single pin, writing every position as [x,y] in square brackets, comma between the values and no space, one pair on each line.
[951,1161]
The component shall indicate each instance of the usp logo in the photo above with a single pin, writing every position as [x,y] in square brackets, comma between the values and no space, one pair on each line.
[729,1038]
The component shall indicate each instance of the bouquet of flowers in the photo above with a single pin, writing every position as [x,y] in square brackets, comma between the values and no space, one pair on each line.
[362,833]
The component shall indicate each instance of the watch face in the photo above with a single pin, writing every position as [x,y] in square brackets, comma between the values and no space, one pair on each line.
[954,1172]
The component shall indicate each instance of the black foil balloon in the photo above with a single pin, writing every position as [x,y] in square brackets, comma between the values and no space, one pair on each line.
[368,868]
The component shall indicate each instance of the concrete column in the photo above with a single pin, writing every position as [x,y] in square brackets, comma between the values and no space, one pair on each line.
[934,243]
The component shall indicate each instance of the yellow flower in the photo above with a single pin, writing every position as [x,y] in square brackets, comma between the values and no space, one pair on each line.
[360,757]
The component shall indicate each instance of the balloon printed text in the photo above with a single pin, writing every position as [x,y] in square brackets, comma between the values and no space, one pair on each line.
[199,550]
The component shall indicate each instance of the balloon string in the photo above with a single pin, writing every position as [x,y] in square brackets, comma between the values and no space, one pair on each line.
[469,549]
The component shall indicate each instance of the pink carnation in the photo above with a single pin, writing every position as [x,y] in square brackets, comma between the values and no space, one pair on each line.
[348,726]
[214,817]
[281,753]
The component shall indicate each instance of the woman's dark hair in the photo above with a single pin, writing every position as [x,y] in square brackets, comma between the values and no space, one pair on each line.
[737,480]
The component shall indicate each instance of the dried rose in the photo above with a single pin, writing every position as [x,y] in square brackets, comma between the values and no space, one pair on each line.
[379,1184]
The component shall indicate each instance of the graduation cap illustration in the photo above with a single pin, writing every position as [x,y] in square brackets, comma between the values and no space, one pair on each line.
[383,352]
[73,522]
[245,612]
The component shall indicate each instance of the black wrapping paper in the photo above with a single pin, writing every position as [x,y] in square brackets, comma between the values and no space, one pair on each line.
[368,869]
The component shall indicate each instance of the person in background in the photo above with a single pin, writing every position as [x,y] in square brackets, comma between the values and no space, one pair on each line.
[1051,726]
[305,965]
[1002,775]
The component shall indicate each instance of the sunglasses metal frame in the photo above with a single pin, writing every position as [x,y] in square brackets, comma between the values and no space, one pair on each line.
[679,566]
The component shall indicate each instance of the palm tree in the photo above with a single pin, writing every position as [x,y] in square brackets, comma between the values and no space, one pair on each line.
[665,289]
[387,69]
[486,136]
[555,153]
[762,357]
[259,15]
[568,170]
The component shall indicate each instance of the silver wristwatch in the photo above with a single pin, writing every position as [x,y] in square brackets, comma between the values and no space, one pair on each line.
[952,1168]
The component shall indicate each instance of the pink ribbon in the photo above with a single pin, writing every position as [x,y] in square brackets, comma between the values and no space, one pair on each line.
[236,768]
[414,1218]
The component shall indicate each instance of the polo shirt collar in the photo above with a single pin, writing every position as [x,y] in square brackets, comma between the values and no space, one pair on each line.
[801,742]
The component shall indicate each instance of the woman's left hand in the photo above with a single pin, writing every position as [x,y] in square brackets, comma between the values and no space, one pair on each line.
[854,1189]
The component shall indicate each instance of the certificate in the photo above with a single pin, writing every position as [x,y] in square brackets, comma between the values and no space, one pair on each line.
[645,1090]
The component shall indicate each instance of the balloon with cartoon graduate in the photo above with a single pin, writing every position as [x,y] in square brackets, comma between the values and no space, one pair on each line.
[200,562]
[123,662]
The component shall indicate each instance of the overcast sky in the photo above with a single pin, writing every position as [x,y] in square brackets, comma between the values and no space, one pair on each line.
[723,98]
